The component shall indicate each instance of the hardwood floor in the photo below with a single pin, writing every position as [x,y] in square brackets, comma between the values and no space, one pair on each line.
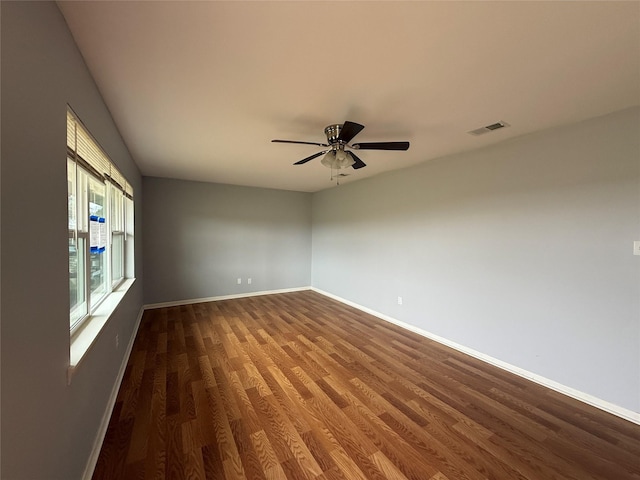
[299,386]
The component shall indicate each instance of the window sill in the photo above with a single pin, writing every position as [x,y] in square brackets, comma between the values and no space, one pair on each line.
[83,339]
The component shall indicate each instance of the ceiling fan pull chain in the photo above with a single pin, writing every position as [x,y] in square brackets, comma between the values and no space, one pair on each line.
[336,176]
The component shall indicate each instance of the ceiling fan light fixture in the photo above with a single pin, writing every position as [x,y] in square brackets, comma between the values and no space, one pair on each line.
[337,159]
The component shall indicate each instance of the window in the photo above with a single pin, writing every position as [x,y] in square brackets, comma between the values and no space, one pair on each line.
[117,235]
[100,211]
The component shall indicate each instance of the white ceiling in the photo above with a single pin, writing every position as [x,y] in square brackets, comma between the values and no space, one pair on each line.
[199,89]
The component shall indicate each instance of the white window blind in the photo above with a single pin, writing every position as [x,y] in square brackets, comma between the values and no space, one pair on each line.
[85,149]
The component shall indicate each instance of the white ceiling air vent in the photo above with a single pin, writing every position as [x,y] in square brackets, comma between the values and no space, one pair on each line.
[488,128]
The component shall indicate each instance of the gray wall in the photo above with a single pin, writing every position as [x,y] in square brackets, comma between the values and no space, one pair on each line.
[200,237]
[48,427]
[522,251]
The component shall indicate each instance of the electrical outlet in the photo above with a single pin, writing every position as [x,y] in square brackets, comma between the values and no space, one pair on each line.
[249,280]
[399,300]
[636,247]
[239,281]
[117,341]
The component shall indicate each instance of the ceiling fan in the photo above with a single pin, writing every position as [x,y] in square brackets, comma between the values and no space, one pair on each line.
[338,137]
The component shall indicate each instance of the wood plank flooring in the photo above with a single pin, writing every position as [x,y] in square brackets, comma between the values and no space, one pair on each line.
[298,386]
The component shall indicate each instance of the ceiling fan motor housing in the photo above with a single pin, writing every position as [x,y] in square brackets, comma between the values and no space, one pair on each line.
[333,132]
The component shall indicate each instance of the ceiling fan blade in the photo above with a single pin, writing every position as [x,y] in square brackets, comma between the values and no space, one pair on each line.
[305,160]
[359,163]
[304,143]
[382,146]
[349,130]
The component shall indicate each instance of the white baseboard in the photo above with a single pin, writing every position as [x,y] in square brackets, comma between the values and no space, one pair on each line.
[104,424]
[151,306]
[609,407]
